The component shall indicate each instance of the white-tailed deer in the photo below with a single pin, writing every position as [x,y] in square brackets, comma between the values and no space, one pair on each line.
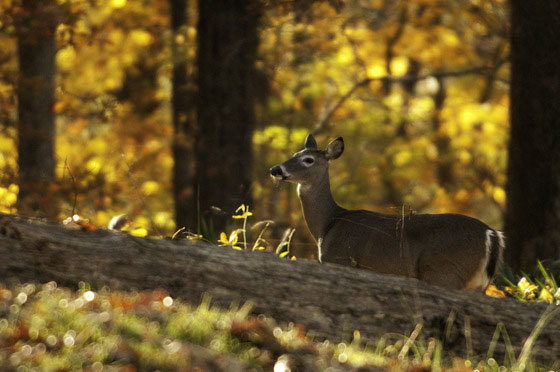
[447,250]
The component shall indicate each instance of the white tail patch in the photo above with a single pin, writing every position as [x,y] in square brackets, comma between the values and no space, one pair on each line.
[488,242]
[480,280]
[501,240]
[502,246]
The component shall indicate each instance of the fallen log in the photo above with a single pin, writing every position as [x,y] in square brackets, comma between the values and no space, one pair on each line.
[330,301]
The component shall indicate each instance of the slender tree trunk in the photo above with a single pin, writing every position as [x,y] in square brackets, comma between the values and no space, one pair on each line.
[36,131]
[533,188]
[182,105]
[227,44]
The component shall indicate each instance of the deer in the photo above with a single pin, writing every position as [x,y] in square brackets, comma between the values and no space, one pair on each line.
[451,251]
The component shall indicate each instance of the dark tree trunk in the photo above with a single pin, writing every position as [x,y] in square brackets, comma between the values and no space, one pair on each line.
[227,44]
[533,187]
[182,105]
[36,132]
[330,301]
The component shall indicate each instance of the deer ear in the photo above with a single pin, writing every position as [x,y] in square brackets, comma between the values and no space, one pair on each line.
[310,142]
[335,149]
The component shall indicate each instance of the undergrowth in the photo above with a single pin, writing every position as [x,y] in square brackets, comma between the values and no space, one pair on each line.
[238,238]
[48,328]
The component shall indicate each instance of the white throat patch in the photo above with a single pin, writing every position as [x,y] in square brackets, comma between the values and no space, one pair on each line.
[301,188]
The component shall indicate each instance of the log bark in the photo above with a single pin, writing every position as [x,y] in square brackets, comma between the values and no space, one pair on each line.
[330,301]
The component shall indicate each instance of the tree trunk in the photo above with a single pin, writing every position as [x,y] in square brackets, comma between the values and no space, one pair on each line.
[182,104]
[533,188]
[330,301]
[227,44]
[36,131]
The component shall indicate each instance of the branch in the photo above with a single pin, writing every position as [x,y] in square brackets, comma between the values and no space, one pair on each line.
[325,118]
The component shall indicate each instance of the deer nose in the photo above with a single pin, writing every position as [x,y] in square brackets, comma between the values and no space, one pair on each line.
[276,171]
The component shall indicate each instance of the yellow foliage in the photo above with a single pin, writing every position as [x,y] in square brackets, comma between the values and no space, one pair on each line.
[345,55]
[421,107]
[401,158]
[492,291]
[140,37]
[117,4]
[150,187]
[8,199]
[462,195]
[546,296]
[394,100]
[499,195]
[465,157]
[93,165]
[102,218]
[431,152]
[376,70]
[65,58]
[399,66]
[449,38]
[165,220]
[139,231]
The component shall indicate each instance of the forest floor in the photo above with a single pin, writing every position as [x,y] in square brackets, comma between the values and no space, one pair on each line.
[50,328]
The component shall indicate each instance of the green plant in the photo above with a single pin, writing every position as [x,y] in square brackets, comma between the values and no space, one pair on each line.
[542,287]
[232,239]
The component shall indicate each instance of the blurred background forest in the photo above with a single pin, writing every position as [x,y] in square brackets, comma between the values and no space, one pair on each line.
[179,108]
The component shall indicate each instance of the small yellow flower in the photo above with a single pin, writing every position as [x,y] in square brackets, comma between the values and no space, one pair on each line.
[244,212]
[232,240]
[523,284]
[195,237]
[530,292]
[545,295]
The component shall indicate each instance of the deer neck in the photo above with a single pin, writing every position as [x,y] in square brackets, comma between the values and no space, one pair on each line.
[319,207]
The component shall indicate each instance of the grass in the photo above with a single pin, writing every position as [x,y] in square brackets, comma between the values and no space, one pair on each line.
[540,286]
[48,328]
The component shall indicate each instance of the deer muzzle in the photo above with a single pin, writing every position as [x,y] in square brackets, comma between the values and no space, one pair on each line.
[278,173]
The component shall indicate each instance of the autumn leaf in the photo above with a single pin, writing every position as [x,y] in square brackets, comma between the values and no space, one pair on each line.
[493,291]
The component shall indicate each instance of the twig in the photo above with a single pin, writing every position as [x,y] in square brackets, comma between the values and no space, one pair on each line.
[549,313]
[413,336]
[391,45]
[67,167]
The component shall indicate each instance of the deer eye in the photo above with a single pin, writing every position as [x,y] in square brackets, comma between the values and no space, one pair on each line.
[308,160]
